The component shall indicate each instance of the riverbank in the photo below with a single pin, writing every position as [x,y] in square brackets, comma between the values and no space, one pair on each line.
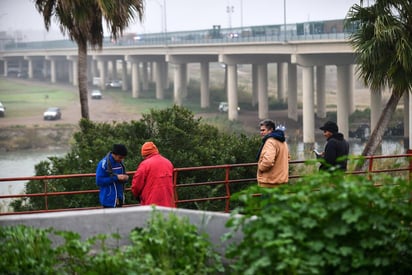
[40,137]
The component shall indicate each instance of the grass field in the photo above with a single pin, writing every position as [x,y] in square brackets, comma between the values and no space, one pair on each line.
[25,99]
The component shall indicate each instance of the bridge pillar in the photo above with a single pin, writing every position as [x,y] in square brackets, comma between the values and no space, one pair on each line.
[376,107]
[281,68]
[204,85]
[73,73]
[93,68]
[292,92]
[308,105]
[102,68]
[232,91]
[263,101]
[343,92]
[159,78]
[145,76]
[351,90]
[254,84]
[53,75]
[125,82]
[136,91]
[5,67]
[320,92]
[179,82]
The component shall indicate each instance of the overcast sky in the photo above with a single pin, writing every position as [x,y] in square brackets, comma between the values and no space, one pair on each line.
[193,14]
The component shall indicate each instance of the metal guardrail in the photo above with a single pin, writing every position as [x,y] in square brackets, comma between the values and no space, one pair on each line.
[226,181]
[312,30]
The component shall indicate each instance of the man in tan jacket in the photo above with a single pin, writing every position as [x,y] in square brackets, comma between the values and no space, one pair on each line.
[273,156]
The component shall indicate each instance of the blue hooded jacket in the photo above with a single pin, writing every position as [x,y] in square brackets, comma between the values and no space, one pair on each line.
[110,187]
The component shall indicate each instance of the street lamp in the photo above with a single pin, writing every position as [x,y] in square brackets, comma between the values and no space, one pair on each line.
[230,9]
[163,18]
[284,21]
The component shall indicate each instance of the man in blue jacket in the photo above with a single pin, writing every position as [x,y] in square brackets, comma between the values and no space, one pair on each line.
[111,177]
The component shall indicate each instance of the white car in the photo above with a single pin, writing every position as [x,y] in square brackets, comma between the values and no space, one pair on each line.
[52,113]
[224,107]
[2,110]
[96,94]
[114,84]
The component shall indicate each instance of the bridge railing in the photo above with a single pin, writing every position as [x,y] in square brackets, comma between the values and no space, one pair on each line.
[398,165]
[312,30]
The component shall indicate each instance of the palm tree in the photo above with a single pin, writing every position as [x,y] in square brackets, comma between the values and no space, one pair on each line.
[82,20]
[383,43]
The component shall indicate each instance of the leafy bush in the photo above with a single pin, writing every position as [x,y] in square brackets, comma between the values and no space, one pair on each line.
[325,224]
[180,137]
[165,246]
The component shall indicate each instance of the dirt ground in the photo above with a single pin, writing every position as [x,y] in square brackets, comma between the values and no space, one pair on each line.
[108,110]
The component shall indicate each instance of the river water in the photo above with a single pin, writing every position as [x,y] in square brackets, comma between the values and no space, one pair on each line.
[21,163]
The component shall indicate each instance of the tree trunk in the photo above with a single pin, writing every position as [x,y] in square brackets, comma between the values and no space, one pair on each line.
[82,77]
[376,137]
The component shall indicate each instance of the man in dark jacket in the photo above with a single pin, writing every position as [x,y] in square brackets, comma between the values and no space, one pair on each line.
[336,148]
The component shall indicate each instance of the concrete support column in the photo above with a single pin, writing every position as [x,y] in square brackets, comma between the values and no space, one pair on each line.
[93,68]
[6,67]
[166,82]
[308,105]
[282,67]
[351,90]
[145,76]
[102,64]
[114,69]
[75,72]
[30,68]
[185,80]
[376,107]
[254,84]
[204,85]
[293,92]
[135,80]
[70,74]
[263,106]
[320,92]
[53,77]
[125,81]
[232,91]
[159,80]
[343,90]
[178,84]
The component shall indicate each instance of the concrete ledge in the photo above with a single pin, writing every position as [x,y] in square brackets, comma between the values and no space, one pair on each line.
[89,223]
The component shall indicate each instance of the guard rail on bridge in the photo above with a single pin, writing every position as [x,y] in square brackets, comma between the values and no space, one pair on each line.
[312,30]
[401,165]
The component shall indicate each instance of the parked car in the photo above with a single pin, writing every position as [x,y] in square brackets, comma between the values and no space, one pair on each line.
[224,107]
[114,84]
[2,110]
[96,94]
[52,113]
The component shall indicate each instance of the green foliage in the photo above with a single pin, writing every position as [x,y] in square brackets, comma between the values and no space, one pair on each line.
[26,250]
[165,246]
[327,223]
[182,138]
[175,246]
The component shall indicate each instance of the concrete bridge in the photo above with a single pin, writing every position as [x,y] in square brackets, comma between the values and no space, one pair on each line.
[149,58]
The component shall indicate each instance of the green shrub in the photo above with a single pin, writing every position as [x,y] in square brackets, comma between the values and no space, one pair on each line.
[325,224]
[165,246]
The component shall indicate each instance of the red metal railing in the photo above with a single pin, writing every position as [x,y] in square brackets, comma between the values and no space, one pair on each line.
[226,181]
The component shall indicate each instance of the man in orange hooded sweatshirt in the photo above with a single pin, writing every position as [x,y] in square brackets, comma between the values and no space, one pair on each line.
[153,179]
